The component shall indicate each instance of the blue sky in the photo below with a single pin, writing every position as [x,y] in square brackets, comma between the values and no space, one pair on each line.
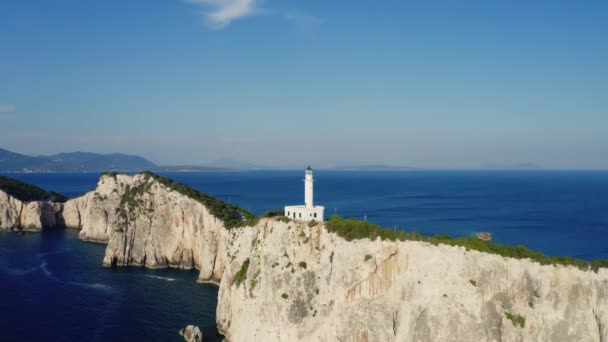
[431,84]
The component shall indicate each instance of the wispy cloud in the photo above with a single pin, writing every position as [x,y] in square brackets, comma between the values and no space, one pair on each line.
[305,23]
[220,13]
[6,108]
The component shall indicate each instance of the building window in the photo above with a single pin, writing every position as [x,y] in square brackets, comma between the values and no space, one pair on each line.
[300,215]
[294,215]
[288,213]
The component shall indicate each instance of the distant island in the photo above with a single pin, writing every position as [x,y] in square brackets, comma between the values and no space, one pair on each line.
[88,162]
[372,167]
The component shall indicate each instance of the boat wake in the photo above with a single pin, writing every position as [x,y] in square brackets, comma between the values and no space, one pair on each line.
[20,271]
[156,277]
[94,286]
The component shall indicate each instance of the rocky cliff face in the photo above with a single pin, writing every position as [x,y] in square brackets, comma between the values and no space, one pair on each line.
[146,224]
[310,285]
[286,281]
[29,216]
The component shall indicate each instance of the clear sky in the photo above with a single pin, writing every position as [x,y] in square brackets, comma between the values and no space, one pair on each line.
[431,84]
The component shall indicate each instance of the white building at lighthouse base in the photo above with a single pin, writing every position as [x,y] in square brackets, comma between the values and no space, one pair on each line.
[302,213]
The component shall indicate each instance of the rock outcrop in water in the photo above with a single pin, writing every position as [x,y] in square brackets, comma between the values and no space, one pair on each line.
[192,333]
[287,281]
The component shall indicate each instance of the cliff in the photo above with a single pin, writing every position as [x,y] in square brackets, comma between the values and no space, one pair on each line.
[28,207]
[307,284]
[145,223]
[28,216]
[285,281]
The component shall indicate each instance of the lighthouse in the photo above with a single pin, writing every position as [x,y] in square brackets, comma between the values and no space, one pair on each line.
[308,211]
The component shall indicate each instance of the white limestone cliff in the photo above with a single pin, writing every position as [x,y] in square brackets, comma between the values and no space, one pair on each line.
[163,228]
[28,216]
[304,283]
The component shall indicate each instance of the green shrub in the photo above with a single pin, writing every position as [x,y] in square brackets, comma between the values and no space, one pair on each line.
[284,296]
[112,174]
[312,223]
[27,192]
[473,282]
[302,264]
[516,319]
[367,257]
[353,229]
[241,275]
[273,213]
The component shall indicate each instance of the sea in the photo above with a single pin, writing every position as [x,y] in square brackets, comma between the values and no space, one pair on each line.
[53,288]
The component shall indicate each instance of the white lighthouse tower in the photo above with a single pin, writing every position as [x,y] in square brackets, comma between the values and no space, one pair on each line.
[308,188]
[308,211]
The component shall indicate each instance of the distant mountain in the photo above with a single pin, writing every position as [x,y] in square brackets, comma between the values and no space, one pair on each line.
[72,162]
[93,162]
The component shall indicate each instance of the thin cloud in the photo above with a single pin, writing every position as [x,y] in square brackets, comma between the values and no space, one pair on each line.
[220,13]
[305,23]
[6,108]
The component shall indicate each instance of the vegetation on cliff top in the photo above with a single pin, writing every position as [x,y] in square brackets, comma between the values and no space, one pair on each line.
[231,215]
[353,229]
[273,213]
[28,192]
[277,214]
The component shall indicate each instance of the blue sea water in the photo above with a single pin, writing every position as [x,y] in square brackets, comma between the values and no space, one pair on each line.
[52,286]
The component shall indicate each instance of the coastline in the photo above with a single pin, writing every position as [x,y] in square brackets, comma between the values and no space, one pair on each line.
[220,254]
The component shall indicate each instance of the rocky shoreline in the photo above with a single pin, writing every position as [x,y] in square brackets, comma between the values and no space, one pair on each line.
[281,280]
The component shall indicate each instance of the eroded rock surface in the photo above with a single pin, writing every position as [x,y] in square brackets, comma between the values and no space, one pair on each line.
[146,224]
[29,216]
[310,285]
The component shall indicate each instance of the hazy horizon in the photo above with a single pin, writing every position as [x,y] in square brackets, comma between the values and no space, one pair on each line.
[432,85]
